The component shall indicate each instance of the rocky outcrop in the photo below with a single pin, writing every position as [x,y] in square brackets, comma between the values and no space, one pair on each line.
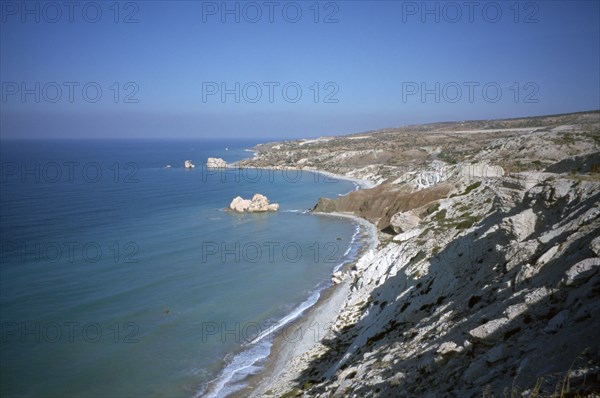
[491,286]
[464,308]
[188,164]
[422,156]
[216,163]
[404,221]
[258,204]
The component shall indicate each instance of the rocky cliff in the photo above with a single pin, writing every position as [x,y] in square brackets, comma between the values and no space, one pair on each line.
[488,284]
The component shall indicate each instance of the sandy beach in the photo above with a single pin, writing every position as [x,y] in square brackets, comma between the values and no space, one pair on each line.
[361,183]
[292,346]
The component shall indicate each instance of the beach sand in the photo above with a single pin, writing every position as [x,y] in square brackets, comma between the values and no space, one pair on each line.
[291,346]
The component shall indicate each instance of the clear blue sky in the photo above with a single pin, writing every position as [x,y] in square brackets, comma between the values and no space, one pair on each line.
[374,58]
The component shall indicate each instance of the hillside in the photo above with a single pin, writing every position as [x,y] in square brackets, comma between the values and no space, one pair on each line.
[485,281]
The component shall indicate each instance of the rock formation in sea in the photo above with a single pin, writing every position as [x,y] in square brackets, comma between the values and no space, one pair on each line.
[486,281]
[188,164]
[216,163]
[259,203]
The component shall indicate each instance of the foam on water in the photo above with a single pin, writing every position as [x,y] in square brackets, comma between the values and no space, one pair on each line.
[248,361]
[173,287]
[245,363]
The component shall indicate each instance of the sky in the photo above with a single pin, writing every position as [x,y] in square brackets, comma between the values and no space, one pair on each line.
[288,69]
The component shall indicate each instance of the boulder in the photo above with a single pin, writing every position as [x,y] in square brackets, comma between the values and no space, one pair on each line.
[337,277]
[404,221]
[581,271]
[239,204]
[258,204]
[216,163]
[489,331]
[521,225]
[188,164]
[449,348]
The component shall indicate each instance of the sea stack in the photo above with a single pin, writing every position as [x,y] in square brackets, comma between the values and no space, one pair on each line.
[188,164]
[258,204]
[216,163]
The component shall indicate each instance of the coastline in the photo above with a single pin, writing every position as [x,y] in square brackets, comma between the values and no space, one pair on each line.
[297,337]
[406,321]
[291,347]
[361,183]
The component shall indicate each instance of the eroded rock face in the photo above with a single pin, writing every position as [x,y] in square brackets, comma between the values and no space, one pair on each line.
[216,163]
[498,282]
[258,204]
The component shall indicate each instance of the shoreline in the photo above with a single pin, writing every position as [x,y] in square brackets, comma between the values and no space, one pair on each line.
[361,183]
[316,321]
[311,327]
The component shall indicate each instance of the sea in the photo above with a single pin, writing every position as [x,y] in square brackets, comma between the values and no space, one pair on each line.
[122,274]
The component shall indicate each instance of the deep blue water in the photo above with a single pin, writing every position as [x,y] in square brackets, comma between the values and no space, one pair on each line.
[120,277]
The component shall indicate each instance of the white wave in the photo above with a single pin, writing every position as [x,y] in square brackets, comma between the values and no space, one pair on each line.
[244,363]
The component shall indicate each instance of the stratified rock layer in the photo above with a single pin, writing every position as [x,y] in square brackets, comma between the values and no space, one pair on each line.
[492,280]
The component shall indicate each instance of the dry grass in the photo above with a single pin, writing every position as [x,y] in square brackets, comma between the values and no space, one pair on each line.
[564,385]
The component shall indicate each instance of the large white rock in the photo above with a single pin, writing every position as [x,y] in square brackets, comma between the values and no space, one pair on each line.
[216,163]
[239,204]
[521,225]
[258,204]
[188,164]
[490,330]
[449,347]
[407,235]
[404,221]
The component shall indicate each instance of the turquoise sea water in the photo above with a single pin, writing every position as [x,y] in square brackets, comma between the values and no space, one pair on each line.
[120,277]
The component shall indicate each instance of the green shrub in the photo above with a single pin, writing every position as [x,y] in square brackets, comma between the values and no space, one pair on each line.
[440,215]
[433,209]
[472,187]
[467,223]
